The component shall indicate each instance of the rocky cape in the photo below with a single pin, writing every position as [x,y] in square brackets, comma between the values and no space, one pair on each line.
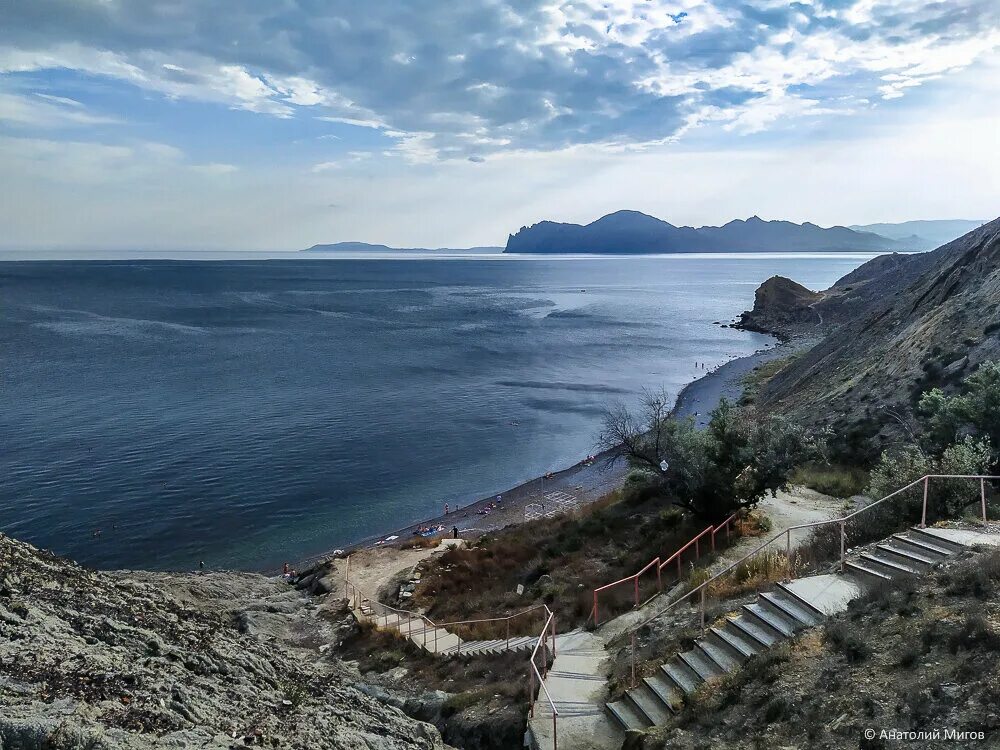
[129,660]
[893,328]
[632,232]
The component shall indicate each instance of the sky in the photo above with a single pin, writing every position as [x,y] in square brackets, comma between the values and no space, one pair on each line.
[279,124]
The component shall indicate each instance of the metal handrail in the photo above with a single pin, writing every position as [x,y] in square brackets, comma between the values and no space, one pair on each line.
[925,480]
[429,624]
[712,530]
[533,674]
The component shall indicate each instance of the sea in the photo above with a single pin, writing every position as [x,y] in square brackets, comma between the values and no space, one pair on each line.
[247,409]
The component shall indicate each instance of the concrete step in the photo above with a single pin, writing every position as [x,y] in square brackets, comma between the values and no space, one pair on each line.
[696,661]
[780,624]
[680,674]
[923,546]
[938,538]
[797,597]
[738,646]
[717,655]
[748,630]
[665,691]
[885,564]
[626,715]
[900,553]
[649,705]
[865,572]
[782,603]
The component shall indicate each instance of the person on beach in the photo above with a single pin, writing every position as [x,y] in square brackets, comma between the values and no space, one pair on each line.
[446,508]
[454,532]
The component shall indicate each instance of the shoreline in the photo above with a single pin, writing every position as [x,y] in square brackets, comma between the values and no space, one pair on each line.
[586,481]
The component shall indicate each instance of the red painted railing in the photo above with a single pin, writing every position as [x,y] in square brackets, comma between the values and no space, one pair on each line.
[696,542]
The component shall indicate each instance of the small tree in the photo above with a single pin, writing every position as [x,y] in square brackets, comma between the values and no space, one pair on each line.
[974,411]
[733,463]
[949,498]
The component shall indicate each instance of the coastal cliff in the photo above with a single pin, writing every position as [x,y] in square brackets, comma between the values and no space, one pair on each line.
[893,328]
[127,661]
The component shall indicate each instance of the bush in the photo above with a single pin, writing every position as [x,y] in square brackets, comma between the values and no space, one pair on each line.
[973,634]
[978,580]
[778,709]
[947,498]
[839,635]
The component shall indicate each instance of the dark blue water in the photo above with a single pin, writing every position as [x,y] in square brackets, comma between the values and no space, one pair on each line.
[247,412]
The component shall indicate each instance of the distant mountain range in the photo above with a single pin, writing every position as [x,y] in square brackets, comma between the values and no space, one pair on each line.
[631,232]
[364,247]
[922,235]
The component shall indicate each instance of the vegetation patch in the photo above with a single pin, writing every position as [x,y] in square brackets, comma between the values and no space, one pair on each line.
[835,480]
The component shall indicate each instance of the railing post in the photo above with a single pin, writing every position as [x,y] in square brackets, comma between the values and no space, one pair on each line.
[508,634]
[636,581]
[633,658]
[788,544]
[553,636]
[982,496]
[843,546]
[703,608]
[713,539]
[923,518]
[679,574]
[659,577]
[697,549]
[555,732]
[531,689]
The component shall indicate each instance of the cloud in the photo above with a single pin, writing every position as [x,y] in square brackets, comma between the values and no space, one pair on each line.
[490,76]
[214,169]
[43,111]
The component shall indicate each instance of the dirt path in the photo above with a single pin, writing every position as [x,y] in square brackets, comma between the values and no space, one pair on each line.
[371,569]
[797,506]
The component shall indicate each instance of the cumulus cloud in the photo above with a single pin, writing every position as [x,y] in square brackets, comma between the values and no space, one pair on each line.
[486,76]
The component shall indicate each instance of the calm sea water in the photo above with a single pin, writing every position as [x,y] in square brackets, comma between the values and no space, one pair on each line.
[244,412]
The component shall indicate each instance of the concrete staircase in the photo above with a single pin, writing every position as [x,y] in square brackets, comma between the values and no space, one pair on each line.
[780,614]
[438,640]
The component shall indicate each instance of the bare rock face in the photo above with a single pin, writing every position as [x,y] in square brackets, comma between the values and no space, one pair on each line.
[780,305]
[123,661]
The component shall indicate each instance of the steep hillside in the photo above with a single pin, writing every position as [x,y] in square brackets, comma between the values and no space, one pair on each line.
[127,661]
[899,325]
[635,232]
